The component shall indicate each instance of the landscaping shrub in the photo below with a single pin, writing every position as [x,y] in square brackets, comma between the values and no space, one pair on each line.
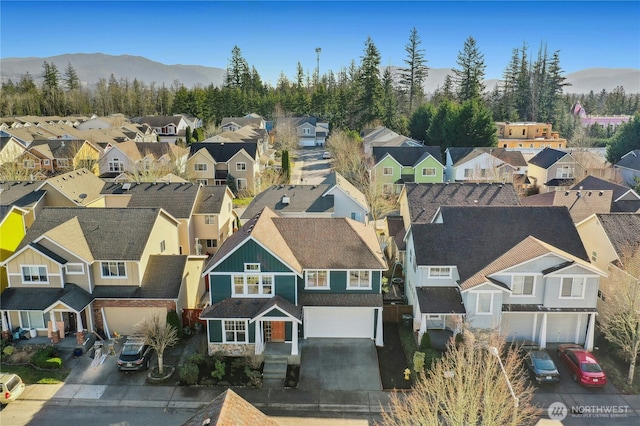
[430,356]
[219,370]
[42,356]
[189,373]
[425,343]
[174,321]
[418,362]
[196,358]
[459,339]
[255,377]
[52,363]
[8,350]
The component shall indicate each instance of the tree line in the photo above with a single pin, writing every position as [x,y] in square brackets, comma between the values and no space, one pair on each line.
[361,95]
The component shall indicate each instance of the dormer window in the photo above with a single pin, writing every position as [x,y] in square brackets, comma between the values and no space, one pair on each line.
[439,272]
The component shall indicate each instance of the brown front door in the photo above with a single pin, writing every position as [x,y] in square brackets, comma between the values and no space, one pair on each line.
[277,331]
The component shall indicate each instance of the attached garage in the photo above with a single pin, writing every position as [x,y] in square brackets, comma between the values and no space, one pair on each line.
[123,320]
[562,328]
[519,326]
[352,322]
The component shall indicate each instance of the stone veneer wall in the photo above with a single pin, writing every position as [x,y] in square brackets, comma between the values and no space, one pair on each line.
[232,349]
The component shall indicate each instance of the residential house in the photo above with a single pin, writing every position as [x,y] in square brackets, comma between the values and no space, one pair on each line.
[311,131]
[624,198]
[227,409]
[204,213]
[279,279]
[520,270]
[553,170]
[484,164]
[13,229]
[612,242]
[629,167]
[528,135]
[594,162]
[102,270]
[150,159]
[75,188]
[246,134]
[221,163]
[383,137]
[24,195]
[581,203]
[56,156]
[338,198]
[169,128]
[394,166]
[232,124]
[10,150]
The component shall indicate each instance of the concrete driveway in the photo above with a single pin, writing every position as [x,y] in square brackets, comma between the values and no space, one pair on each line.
[339,364]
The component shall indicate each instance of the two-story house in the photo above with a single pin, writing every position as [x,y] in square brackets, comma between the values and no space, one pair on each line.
[394,166]
[484,164]
[232,124]
[528,278]
[98,269]
[310,131]
[169,128]
[57,156]
[629,166]
[528,135]
[624,199]
[155,159]
[553,170]
[383,137]
[279,279]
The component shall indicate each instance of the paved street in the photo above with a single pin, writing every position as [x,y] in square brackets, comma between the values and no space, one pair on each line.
[309,167]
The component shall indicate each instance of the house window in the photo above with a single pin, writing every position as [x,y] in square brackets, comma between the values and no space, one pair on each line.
[594,256]
[356,216]
[522,285]
[467,173]
[200,167]
[252,285]
[559,145]
[317,279]
[429,171]
[32,319]
[46,162]
[115,165]
[439,272]
[359,279]
[204,182]
[509,132]
[484,304]
[387,171]
[241,183]
[524,132]
[241,167]
[235,331]
[572,287]
[63,162]
[163,246]
[113,269]
[209,243]
[387,188]
[306,131]
[519,145]
[74,268]
[29,164]
[252,267]
[564,172]
[209,219]
[601,296]
[34,274]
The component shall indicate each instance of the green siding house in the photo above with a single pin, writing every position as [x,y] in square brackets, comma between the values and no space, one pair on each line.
[397,165]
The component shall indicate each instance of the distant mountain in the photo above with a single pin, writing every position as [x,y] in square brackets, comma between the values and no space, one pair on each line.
[94,66]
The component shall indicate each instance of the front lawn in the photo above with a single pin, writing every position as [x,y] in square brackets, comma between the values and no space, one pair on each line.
[34,365]
[30,375]
[617,374]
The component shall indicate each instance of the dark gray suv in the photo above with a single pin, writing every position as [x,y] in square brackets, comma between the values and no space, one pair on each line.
[135,355]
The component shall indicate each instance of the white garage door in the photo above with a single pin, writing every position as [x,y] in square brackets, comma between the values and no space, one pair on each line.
[123,320]
[339,322]
[518,327]
[561,328]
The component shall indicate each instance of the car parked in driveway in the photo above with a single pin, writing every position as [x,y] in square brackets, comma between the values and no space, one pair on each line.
[11,386]
[583,366]
[135,355]
[326,155]
[541,366]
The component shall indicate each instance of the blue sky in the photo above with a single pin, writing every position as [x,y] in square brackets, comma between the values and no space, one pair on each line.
[274,36]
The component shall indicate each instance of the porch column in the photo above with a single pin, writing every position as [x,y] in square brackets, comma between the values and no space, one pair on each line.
[55,335]
[423,326]
[542,340]
[588,344]
[258,337]
[6,331]
[79,329]
[294,338]
[576,337]
[379,333]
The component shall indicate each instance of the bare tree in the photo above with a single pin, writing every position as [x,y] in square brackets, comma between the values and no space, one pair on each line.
[159,336]
[621,319]
[286,138]
[477,381]
[347,153]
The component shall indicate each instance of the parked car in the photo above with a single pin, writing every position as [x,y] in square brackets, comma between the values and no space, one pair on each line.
[326,155]
[582,365]
[11,386]
[541,366]
[135,355]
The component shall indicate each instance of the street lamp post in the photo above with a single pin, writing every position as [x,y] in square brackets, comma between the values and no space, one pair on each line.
[516,400]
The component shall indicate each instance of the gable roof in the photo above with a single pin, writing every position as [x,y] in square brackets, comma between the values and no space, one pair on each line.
[547,158]
[593,183]
[229,409]
[623,230]
[223,152]
[631,160]
[349,189]
[20,193]
[581,203]
[211,198]
[160,120]
[110,233]
[440,300]
[59,148]
[424,199]
[178,199]
[407,156]
[80,186]
[139,150]
[460,155]
[302,199]
[39,299]
[472,237]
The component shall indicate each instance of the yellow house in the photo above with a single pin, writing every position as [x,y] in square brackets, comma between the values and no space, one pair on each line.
[528,135]
[12,229]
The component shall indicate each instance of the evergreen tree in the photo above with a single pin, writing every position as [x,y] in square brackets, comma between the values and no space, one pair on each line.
[237,70]
[286,166]
[626,139]
[51,91]
[523,96]
[71,79]
[413,76]
[420,121]
[474,125]
[442,128]
[389,102]
[188,135]
[469,77]
[368,107]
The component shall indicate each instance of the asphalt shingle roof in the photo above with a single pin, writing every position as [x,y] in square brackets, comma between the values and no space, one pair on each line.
[407,155]
[177,199]
[210,200]
[20,193]
[302,199]
[547,157]
[424,199]
[228,409]
[335,299]
[581,203]
[249,307]
[623,230]
[473,237]
[631,160]
[222,152]
[440,300]
[38,299]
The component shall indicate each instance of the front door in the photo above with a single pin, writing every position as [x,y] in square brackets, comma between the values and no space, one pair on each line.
[277,331]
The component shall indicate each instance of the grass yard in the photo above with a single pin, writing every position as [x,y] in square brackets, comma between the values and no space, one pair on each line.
[408,340]
[31,375]
[617,374]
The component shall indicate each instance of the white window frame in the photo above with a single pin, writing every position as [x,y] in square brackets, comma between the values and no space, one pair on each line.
[200,167]
[209,219]
[311,285]
[70,272]
[515,280]
[63,162]
[31,275]
[252,267]
[387,169]
[231,326]
[360,282]
[241,183]
[429,171]
[28,315]
[204,182]
[29,164]
[438,272]
[46,162]
[241,166]
[434,317]
[115,165]
[356,216]
[210,242]
[478,312]
[564,172]
[114,263]
[263,281]
[306,131]
[574,281]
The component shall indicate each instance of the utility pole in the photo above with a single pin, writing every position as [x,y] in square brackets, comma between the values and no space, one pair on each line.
[318,50]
